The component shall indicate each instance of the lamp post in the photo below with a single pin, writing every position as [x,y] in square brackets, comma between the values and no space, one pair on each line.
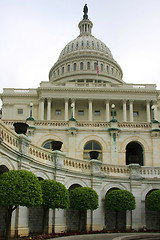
[113,107]
[31,105]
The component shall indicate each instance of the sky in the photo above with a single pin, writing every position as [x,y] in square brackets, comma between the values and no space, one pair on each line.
[33,33]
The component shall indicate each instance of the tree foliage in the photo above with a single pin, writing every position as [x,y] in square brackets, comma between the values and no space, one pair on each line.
[153,200]
[83,198]
[120,200]
[19,188]
[54,194]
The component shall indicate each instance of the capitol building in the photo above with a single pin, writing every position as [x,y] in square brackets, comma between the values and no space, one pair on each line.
[87,106]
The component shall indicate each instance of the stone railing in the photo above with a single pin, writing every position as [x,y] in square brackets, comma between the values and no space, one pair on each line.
[40,154]
[115,169]
[135,125]
[83,124]
[8,137]
[76,164]
[150,172]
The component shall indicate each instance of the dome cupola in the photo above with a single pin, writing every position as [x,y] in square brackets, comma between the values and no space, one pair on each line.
[78,60]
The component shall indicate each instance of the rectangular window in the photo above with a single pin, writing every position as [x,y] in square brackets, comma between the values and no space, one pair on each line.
[97,113]
[81,112]
[135,114]
[20,111]
[58,112]
[114,113]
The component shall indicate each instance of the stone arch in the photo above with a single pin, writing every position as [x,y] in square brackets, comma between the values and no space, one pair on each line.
[6,161]
[111,186]
[152,217]
[69,183]
[95,138]
[134,153]
[49,137]
[40,174]
[72,215]
[135,139]
[110,215]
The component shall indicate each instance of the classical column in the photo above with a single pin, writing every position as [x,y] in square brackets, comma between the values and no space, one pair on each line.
[90,109]
[66,109]
[155,110]
[41,109]
[148,113]
[49,108]
[74,107]
[131,110]
[124,111]
[107,111]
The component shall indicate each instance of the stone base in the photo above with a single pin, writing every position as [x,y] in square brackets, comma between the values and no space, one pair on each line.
[22,232]
[60,228]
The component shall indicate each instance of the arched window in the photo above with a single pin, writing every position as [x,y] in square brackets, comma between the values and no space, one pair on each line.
[88,65]
[101,67]
[90,146]
[47,144]
[81,66]
[75,66]
[3,169]
[62,69]
[68,67]
[95,65]
[134,153]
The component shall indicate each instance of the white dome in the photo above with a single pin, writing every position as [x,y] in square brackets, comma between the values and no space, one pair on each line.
[78,58]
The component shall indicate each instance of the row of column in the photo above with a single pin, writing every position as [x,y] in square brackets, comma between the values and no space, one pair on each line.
[90,109]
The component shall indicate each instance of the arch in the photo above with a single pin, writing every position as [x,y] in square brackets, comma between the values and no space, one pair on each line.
[149,189]
[96,138]
[48,137]
[6,162]
[107,188]
[152,217]
[41,175]
[69,183]
[134,153]
[135,139]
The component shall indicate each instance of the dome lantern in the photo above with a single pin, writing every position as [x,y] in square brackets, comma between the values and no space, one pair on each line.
[85,25]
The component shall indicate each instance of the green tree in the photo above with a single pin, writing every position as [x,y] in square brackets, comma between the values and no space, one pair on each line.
[153,200]
[82,199]
[119,200]
[54,195]
[18,188]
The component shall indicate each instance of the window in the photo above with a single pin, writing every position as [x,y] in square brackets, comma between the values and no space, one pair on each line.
[58,112]
[135,114]
[68,67]
[62,69]
[47,145]
[81,66]
[107,68]
[95,66]
[88,65]
[90,146]
[58,72]
[75,66]
[101,67]
[97,112]
[20,111]
[81,112]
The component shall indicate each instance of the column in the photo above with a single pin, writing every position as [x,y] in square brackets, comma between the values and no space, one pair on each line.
[41,109]
[155,110]
[66,109]
[49,108]
[74,107]
[107,111]
[90,109]
[124,111]
[148,111]
[131,110]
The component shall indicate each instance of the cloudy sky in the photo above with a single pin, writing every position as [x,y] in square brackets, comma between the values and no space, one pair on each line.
[33,33]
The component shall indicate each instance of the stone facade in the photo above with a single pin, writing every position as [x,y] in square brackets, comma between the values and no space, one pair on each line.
[86,111]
